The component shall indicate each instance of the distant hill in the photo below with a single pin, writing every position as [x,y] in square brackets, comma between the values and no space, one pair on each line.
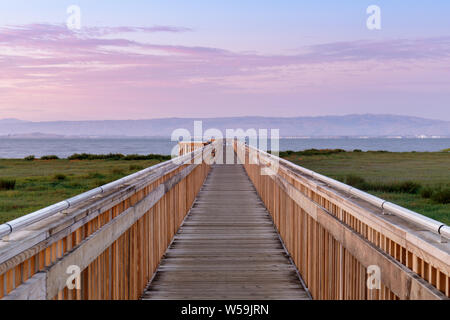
[11,121]
[326,126]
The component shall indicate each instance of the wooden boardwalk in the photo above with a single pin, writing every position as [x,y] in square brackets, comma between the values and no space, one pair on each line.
[227,248]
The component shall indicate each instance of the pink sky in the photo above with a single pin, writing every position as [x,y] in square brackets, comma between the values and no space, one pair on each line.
[52,73]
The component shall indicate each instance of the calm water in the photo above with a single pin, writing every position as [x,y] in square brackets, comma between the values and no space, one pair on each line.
[19,148]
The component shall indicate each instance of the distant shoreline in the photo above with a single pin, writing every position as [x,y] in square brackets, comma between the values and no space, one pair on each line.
[39,136]
[14,148]
[166,157]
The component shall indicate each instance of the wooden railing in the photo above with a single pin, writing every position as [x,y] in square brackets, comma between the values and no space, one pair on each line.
[335,239]
[116,239]
[185,147]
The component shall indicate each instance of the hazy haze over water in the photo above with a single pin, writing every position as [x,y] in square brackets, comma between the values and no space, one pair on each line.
[19,148]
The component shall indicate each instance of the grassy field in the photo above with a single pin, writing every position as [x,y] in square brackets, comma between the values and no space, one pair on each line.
[412,180]
[40,183]
[417,181]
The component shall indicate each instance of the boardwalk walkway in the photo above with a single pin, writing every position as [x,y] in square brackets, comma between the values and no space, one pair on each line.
[227,247]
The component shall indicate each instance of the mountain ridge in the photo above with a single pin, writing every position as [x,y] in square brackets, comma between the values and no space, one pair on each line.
[348,125]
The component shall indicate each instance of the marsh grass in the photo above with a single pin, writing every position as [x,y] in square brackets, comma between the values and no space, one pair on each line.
[419,181]
[41,183]
[135,167]
[397,187]
[118,171]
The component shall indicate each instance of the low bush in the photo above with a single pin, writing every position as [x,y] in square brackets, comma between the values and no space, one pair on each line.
[50,157]
[441,196]
[88,156]
[427,192]
[158,157]
[408,187]
[118,156]
[358,182]
[395,187]
[7,184]
[310,152]
[29,158]
[355,181]
[59,177]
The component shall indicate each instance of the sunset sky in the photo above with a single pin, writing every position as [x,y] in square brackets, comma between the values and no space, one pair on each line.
[151,59]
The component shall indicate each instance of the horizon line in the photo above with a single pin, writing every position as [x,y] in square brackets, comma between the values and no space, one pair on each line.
[231,117]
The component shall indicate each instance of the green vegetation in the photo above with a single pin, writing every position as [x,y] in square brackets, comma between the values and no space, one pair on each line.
[31,184]
[7,184]
[59,177]
[441,196]
[51,157]
[118,156]
[419,181]
[398,187]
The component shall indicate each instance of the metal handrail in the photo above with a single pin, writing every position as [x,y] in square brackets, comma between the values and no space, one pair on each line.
[24,221]
[386,206]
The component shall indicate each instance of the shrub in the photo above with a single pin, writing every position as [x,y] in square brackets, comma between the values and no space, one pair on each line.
[88,156]
[441,196]
[6,184]
[29,158]
[50,157]
[151,156]
[355,181]
[398,187]
[118,156]
[426,192]
[284,154]
[59,177]
[409,187]
[310,152]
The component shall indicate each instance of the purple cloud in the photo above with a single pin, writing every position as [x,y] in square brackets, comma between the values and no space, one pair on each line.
[53,64]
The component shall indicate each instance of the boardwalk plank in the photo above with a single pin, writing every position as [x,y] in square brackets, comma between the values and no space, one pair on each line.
[227,248]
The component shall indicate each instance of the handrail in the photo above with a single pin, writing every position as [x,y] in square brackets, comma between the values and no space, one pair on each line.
[386,206]
[24,221]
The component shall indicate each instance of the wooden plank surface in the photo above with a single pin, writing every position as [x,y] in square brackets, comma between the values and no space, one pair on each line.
[227,248]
